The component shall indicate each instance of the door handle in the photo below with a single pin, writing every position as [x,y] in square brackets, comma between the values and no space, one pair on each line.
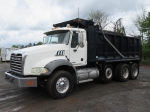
[75,50]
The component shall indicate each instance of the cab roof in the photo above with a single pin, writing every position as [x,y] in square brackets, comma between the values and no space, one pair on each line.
[63,28]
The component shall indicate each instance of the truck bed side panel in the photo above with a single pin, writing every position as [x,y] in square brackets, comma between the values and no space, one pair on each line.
[99,49]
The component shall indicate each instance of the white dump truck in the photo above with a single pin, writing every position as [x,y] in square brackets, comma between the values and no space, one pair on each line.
[75,51]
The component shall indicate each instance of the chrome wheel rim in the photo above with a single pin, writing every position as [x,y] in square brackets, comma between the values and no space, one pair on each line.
[125,72]
[62,85]
[108,73]
[135,71]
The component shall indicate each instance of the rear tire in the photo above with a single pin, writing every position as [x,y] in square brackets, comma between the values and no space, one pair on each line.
[123,72]
[134,71]
[60,84]
[108,74]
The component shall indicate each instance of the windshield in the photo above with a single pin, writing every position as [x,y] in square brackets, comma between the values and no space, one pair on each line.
[57,37]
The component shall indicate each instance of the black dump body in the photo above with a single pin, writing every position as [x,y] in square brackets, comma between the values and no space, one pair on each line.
[99,49]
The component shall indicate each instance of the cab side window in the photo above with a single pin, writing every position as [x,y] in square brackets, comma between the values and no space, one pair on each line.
[74,41]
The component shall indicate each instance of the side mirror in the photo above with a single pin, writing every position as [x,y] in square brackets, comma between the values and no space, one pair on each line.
[44,40]
[80,39]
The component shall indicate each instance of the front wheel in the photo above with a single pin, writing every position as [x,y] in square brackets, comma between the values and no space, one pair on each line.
[60,84]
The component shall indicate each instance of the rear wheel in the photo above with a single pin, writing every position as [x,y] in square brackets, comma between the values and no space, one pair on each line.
[134,71]
[60,84]
[108,74]
[123,72]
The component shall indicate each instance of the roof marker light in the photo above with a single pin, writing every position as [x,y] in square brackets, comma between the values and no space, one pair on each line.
[68,25]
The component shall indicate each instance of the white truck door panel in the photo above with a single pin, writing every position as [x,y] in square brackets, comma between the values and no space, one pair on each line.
[78,55]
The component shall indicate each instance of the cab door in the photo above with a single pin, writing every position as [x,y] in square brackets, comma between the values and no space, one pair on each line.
[78,52]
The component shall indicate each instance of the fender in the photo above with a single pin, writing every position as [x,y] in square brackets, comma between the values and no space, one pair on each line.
[51,66]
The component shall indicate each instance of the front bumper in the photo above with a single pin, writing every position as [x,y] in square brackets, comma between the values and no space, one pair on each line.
[21,81]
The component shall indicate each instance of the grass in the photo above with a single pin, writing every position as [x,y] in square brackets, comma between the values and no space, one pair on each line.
[1,62]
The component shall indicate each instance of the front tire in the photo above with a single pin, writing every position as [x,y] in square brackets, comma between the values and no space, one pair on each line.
[60,84]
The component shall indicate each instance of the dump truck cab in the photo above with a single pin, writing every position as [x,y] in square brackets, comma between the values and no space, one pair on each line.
[74,40]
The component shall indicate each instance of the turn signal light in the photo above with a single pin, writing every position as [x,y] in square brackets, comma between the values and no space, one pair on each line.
[30,83]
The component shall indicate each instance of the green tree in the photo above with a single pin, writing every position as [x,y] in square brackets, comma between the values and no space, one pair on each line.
[145,28]
[145,25]
[22,46]
[34,44]
[39,43]
[15,46]
[146,49]
[29,45]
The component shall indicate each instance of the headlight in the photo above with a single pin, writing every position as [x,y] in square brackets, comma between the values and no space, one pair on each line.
[39,70]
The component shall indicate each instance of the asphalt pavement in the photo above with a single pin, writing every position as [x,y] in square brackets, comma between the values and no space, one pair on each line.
[130,96]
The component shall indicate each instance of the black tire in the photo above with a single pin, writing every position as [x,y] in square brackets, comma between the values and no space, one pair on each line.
[134,71]
[108,73]
[54,87]
[123,72]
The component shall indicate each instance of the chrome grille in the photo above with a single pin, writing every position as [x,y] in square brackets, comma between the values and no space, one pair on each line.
[16,63]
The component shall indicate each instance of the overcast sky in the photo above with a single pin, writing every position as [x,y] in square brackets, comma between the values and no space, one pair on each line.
[25,21]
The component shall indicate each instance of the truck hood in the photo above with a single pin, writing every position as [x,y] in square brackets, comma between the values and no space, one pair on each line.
[41,48]
[39,56]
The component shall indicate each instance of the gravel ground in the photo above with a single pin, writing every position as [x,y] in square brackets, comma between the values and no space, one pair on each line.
[131,96]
